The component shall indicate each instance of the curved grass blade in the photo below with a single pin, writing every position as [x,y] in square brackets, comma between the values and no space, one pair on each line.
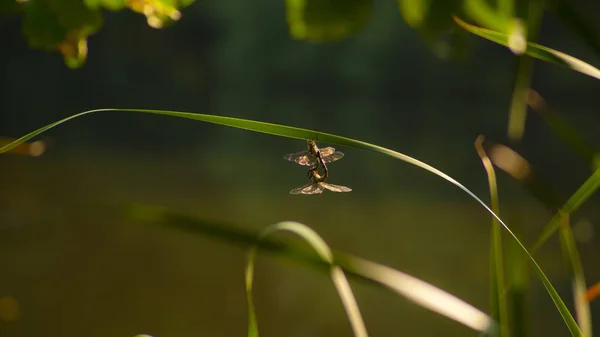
[299,133]
[497,284]
[337,275]
[582,305]
[533,49]
[520,169]
[410,287]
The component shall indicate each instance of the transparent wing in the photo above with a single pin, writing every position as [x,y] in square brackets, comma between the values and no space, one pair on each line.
[326,151]
[310,188]
[335,188]
[302,158]
[330,155]
[314,189]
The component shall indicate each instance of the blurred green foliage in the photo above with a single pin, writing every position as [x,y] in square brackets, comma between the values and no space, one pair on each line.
[64,25]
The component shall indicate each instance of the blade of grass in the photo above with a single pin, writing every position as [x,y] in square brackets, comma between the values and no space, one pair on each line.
[534,50]
[586,190]
[337,275]
[523,71]
[497,282]
[582,305]
[517,290]
[415,290]
[298,133]
[514,165]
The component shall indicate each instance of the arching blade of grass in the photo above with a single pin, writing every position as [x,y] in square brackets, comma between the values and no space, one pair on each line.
[298,133]
[497,281]
[337,275]
[534,50]
[371,273]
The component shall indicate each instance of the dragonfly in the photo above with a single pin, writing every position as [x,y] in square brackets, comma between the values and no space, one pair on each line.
[318,184]
[310,156]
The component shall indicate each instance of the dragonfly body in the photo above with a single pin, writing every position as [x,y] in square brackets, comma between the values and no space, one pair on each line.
[315,158]
[318,184]
[310,156]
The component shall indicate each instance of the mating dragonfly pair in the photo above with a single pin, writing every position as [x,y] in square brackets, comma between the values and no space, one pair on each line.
[315,158]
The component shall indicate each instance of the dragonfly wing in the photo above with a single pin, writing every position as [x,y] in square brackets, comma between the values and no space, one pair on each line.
[331,156]
[315,189]
[300,190]
[302,158]
[326,151]
[336,188]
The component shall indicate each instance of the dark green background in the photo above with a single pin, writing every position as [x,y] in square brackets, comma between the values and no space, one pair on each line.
[78,268]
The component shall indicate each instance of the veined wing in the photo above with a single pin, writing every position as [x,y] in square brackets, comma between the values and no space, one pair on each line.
[329,154]
[310,188]
[304,158]
[335,188]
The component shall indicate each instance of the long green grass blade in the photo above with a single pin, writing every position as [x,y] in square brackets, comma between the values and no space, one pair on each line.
[497,280]
[582,305]
[298,133]
[575,201]
[371,273]
[523,71]
[534,50]
[337,275]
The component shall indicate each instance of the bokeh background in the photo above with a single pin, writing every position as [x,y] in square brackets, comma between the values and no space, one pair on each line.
[78,268]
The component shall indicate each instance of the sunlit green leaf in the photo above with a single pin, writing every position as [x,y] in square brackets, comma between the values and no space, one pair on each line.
[74,14]
[414,11]
[535,50]
[61,25]
[113,5]
[41,27]
[318,20]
